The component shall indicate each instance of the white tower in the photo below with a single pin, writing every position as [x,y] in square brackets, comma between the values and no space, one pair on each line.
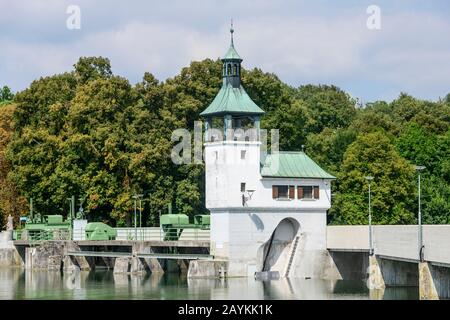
[265,211]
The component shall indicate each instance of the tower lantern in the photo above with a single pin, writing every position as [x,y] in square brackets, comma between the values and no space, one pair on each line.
[232,102]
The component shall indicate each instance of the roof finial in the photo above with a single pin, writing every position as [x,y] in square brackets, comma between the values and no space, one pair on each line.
[231,31]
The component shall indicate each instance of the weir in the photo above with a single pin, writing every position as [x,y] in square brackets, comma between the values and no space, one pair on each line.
[393,264]
[121,256]
[396,260]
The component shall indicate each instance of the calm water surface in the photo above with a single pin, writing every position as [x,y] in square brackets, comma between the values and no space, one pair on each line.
[99,284]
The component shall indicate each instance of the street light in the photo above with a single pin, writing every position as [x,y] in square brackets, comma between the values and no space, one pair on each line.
[140,215]
[369,179]
[135,197]
[419,169]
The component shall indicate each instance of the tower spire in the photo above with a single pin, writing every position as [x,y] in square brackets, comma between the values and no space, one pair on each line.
[231,32]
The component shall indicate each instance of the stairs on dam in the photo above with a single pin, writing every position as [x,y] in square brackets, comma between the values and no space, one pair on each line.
[292,256]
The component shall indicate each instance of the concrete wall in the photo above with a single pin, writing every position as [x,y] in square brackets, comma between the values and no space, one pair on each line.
[9,256]
[242,235]
[437,243]
[348,238]
[394,241]
[396,259]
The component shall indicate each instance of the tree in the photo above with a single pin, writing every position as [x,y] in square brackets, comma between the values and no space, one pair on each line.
[370,119]
[329,146]
[327,106]
[90,133]
[104,139]
[435,116]
[423,147]
[290,120]
[392,187]
[11,203]
[92,68]
[267,90]
[6,94]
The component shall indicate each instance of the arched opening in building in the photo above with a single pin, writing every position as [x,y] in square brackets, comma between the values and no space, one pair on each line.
[277,249]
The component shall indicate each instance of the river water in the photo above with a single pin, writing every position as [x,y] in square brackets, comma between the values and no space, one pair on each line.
[103,284]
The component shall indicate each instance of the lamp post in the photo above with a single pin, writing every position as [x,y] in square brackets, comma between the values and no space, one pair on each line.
[419,216]
[369,179]
[135,197]
[135,222]
[140,214]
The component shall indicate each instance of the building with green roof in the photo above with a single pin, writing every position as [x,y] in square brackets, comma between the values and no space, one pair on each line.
[261,203]
[289,164]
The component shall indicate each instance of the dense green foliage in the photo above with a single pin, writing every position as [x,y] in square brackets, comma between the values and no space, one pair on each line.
[11,203]
[90,133]
[5,94]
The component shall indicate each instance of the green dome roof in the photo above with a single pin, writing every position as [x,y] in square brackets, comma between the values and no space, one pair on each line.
[231,100]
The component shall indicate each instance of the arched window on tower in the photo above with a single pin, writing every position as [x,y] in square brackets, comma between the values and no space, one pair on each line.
[229,69]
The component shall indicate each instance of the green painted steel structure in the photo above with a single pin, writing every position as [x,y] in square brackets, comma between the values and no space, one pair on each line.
[285,164]
[49,227]
[100,231]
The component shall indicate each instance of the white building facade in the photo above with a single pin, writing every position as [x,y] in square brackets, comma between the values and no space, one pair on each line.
[268,210]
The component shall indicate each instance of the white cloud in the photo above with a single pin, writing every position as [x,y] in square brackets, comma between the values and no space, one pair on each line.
[408,53]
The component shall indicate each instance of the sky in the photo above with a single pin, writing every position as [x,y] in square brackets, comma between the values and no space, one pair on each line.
[303,42]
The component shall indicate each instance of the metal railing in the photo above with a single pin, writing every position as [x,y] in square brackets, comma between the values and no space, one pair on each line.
[131,234]
[157,234]
[38,236]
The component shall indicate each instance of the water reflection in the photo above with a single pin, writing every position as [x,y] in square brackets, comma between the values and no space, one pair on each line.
[103,284]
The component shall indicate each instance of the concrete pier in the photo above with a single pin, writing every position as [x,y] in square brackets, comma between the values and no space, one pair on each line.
[434,281]
[375,279]
[207,269]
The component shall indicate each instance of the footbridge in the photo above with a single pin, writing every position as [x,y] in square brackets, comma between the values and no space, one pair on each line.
[397,258]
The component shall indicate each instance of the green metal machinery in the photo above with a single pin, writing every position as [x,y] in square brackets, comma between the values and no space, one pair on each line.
[100,231]
[174,224]
[40,228]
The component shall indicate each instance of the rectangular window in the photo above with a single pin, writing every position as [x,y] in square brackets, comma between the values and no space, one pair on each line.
[242,154]
[242,186]
[280,192]
[308,192]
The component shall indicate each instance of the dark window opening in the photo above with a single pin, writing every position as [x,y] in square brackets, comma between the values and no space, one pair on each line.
[280,192]
[308,192]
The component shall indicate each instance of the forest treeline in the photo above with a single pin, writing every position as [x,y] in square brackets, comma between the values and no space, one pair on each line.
[92,134]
